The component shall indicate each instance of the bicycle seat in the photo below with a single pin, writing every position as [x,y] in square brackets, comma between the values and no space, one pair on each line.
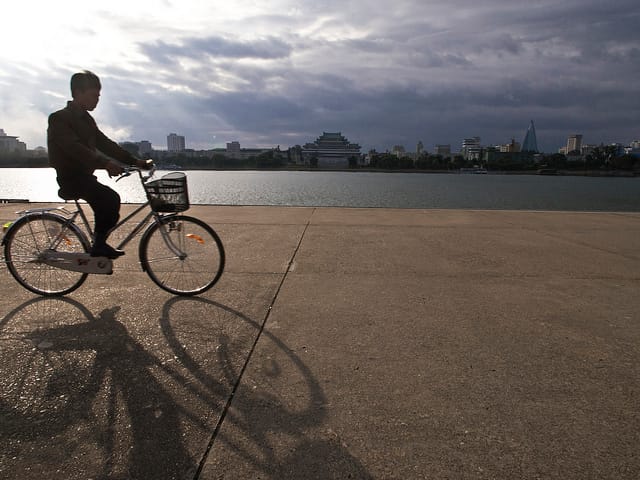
[66,194]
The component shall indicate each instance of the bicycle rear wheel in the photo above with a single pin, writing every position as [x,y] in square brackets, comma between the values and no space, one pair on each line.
[182,255]
[27,242]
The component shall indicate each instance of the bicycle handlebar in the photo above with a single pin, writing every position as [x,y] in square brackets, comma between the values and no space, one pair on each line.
[129,169]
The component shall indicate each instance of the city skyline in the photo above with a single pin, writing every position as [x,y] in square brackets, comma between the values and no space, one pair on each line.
[385,73]
[178,143]
[528,144]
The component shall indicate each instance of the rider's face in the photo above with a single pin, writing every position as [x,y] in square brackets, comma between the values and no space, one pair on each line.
[87,99]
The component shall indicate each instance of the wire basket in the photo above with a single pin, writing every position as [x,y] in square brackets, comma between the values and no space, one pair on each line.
[168,194]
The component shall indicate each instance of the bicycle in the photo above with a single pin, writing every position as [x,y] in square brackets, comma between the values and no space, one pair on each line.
[47,252]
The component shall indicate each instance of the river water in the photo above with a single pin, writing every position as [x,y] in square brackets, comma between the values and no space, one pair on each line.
[364,189]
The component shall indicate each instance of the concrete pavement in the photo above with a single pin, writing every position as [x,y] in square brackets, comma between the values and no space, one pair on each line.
[340,343]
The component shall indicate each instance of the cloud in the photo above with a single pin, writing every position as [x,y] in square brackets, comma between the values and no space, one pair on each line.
[216,48]
[382,72]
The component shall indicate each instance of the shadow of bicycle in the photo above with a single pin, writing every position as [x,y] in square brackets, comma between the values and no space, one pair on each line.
[82,397]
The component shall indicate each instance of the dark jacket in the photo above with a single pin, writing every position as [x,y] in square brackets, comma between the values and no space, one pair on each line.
[74,142]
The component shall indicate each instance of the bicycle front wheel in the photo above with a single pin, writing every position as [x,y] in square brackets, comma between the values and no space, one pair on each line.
[182,255]
[27,243]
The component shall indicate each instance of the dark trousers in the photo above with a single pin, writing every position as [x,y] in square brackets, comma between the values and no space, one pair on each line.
[104,201]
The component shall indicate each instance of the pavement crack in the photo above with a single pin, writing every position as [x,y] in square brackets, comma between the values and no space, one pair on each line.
[227,406]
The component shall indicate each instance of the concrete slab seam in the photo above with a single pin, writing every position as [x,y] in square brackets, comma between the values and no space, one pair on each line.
[227,406]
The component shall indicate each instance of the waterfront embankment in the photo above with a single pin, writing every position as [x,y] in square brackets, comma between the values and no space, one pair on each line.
[340,343]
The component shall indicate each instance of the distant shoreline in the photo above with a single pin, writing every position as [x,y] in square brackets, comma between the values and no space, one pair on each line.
[575,173]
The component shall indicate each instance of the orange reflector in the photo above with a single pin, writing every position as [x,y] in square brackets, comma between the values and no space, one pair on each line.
[195,237]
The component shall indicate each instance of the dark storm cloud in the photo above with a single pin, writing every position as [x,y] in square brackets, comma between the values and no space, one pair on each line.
[431,71]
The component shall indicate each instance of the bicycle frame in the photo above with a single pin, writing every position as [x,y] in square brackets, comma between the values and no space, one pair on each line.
[137,229]
[79,212]
[141,224]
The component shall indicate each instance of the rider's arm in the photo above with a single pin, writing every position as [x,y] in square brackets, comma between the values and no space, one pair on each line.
[113,150]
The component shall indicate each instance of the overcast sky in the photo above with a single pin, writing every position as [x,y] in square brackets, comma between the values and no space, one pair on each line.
[280,72]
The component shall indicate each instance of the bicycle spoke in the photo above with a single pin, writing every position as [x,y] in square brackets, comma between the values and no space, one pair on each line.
[27,243]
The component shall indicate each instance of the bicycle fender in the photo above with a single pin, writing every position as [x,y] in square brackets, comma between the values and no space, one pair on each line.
[43,212]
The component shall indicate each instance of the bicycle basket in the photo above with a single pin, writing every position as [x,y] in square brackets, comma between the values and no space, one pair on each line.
[168,194]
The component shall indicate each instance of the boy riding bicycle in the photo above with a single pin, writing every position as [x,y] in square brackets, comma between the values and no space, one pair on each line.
[77,148]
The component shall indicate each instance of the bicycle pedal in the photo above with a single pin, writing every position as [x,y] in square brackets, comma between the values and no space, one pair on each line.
[100,265]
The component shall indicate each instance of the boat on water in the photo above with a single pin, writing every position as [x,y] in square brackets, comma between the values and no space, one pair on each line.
[169,166]
[478,170]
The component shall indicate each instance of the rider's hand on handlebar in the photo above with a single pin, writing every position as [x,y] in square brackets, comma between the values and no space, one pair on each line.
[113,168]
[145,164]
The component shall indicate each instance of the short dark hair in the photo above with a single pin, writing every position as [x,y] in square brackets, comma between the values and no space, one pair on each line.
[83,81]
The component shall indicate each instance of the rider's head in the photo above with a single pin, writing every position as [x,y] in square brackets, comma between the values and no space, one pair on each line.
[85,89]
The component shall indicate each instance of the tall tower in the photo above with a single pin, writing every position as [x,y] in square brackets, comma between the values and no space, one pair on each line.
[530,143]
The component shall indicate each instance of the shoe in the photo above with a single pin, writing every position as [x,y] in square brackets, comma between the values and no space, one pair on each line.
[105,250]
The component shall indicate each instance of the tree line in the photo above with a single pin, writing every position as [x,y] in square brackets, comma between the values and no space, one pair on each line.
[603,157]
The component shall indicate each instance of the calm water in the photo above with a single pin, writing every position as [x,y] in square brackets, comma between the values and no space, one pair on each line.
[364,189]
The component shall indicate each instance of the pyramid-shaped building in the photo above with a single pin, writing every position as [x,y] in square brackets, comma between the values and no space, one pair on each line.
[331,150]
